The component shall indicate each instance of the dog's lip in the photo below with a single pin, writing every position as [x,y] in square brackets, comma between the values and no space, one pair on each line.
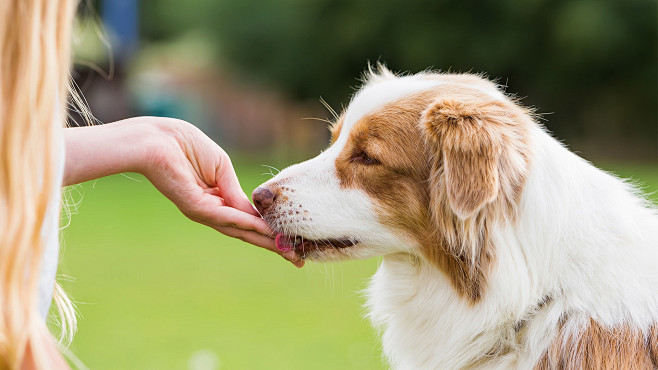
[303,245]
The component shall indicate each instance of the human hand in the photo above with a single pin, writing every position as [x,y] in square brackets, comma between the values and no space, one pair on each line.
[186,167]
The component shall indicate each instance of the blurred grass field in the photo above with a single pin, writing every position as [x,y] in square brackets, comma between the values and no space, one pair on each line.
[157,291]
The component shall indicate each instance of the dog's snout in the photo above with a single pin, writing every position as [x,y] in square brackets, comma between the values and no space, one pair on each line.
[263,199]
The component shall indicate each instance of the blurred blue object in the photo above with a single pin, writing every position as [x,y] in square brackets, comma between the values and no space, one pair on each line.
[121,19]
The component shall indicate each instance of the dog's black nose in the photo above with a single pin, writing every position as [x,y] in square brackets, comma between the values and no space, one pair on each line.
[263,199]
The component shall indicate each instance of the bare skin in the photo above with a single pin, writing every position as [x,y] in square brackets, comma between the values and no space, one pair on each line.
[181,162]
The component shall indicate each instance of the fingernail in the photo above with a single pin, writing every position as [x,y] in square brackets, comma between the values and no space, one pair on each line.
[291,256]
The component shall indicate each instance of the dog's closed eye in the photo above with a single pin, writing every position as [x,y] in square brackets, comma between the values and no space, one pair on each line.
[362,157]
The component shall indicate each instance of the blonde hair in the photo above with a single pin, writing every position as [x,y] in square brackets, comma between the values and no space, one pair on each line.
[34,82]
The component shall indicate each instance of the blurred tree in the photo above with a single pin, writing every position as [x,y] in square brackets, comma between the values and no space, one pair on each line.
[591,62]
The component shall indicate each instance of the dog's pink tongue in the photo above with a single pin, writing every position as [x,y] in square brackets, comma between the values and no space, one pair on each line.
[283,243]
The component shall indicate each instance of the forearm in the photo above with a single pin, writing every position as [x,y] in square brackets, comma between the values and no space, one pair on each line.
[97,151]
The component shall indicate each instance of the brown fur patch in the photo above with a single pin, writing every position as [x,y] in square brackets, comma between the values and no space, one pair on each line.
[398,182]
[470,149]
[451,162]
[653,345]
[482,150]
[598,347]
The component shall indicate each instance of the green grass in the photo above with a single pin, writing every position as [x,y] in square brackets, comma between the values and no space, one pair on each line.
[155,289]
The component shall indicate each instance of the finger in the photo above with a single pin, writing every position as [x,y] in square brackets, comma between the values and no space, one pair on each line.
[261,241]
[244,235]
[229,186]
[213,191]
[250,237]
[217,199]
[256,239]
[227,216]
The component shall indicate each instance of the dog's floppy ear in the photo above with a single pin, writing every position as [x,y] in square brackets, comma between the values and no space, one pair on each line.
[466,143]
[479,154]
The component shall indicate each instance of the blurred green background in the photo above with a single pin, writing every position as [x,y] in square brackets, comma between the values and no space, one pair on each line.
[249,71]
[156,291]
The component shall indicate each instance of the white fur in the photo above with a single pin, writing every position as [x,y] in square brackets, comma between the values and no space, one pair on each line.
[583,237]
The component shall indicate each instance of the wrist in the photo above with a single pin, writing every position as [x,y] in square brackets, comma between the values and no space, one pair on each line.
[153,138]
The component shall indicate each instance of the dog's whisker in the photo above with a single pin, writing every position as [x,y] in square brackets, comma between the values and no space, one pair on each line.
[329,108]
[318,119]
[271,168]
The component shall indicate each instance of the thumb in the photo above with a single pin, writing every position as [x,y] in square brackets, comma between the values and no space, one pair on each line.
[230,189]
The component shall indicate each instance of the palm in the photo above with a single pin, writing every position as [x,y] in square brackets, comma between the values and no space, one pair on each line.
[198,177]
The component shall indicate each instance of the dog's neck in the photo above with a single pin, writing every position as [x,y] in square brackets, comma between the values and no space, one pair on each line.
[425,319]
[427,324]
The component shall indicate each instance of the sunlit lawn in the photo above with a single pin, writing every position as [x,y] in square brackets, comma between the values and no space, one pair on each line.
[157,291]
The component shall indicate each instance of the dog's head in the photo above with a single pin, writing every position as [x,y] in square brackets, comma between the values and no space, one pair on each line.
[423,164]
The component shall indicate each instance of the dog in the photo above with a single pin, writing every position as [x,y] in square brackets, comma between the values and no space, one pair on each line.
[500,247]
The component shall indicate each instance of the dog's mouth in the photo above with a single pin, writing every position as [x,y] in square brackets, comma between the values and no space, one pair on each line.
[303,246]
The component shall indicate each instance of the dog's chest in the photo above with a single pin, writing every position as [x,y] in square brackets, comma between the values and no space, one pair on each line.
[426,324]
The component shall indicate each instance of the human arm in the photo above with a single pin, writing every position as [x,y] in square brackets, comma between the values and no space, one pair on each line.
[181,162]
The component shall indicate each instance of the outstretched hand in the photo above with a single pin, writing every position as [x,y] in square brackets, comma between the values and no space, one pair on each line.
[183,164]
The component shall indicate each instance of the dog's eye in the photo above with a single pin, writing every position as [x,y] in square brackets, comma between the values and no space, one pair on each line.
[363,158]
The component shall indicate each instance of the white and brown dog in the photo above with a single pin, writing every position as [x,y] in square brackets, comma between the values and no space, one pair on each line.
[501,248]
